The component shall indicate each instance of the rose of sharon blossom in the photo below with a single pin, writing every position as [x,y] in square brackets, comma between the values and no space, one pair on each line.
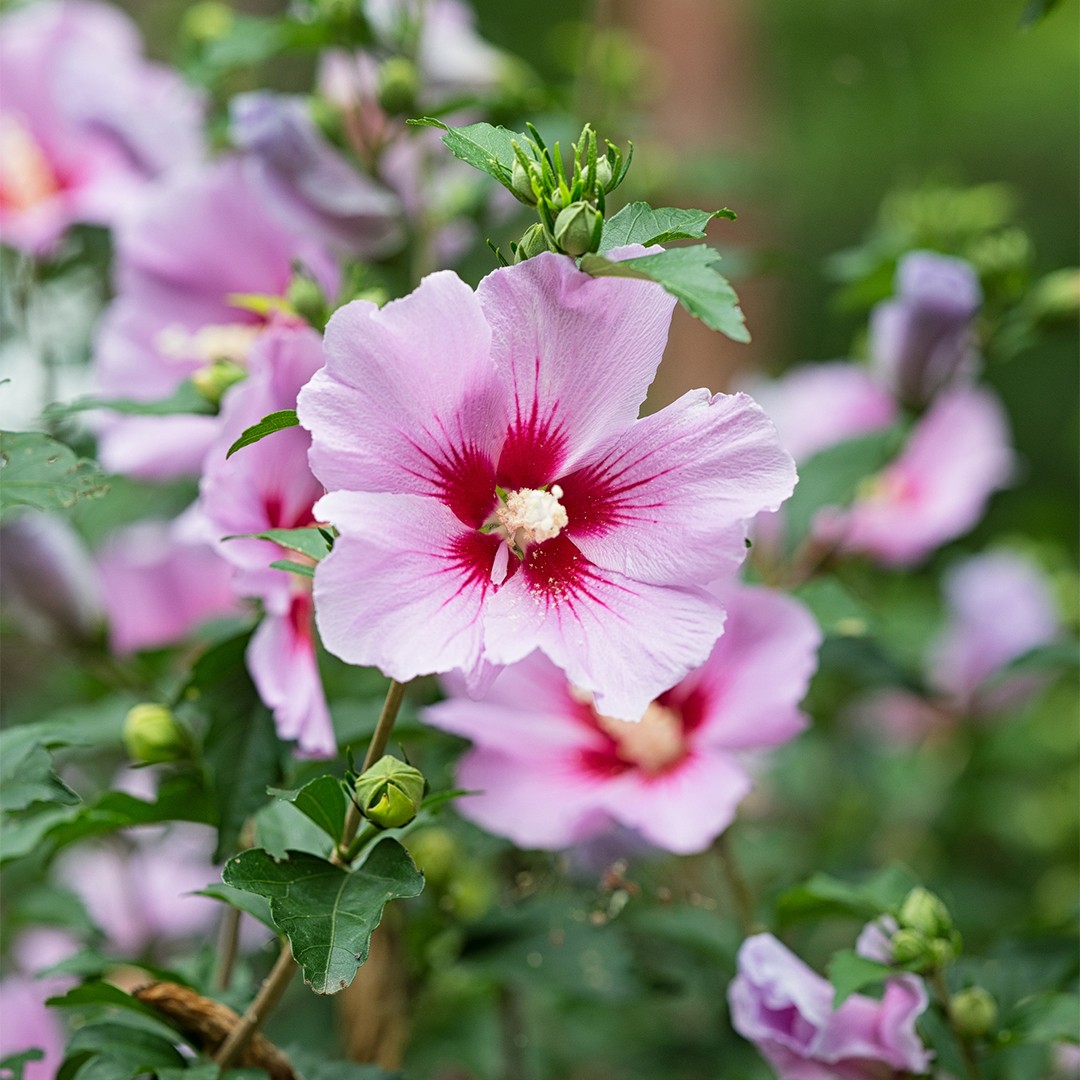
[495,494]
[85,120]
[308,181]
[550,771]
[785,1009]
[160,580]
[268,485]
[199,240]
[922,340]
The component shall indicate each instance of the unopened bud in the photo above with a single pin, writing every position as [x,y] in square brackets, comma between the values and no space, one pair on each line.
[213,379]
[604,175]
[398,84]
[390,792]
[305,297]
[436,852]
[152,735]
[974,1012]
[908,946]
[522,184]
[943,951]
[532,243]
[209,21]
[926,913]
[578,228]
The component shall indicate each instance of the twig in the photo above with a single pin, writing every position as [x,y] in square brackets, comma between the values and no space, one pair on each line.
[228,939]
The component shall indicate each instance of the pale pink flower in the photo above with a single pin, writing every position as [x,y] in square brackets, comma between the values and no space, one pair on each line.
[191,248]
[85,120]
[430,406]
[269,485]
[937,488]
[160,582]
[550,771]
[785,1009]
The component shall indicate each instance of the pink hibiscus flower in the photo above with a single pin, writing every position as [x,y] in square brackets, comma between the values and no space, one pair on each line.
[85,120]
[269,486]
[495,493]
[551,771]
[198,240]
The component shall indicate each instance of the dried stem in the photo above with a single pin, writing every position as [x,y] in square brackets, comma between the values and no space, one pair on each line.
[285,967]
[228,939]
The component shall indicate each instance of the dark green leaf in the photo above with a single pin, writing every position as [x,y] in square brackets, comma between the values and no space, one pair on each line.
[14,1065]
[690,275]
[205,1071]
[639,223]
[315,1068]
[323,800]
[123,1050]
[255,906]
[832,477]
[328,913]
[301,569]
[102,994]
[484,147]
[100,724]
[29,777]
[310,541]
[824,896]
[23,835]
[275,421]
[242,751]
[849,973]
[39,472]
[1037,10]
[1044,1018]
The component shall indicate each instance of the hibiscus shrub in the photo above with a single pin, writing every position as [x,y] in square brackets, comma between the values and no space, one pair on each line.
[363,619]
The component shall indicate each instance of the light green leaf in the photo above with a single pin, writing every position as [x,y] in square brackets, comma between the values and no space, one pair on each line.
[275,421]
[120,1050]
[39,472]
[849,972]
[256,906]
[101,994]
[327,913]
[1043,1018]
[483,146]
[690,275]
[300,569]
[310,541]
[822,896]
[323,800]
[184,399]
[639,223]
[29,777]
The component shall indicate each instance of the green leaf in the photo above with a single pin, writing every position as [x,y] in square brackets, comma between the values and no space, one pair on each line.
[639,223]
[29,777]
[14,1065]
[101,994]
[823,896]
[310,541]
[1043,1018]
[690,275]
[1036,10]
[122,1050]
[39,472]
[301,569]
[832,477]
[255,906]
[241,750]
[184,399]
[323,800]
[327,913]
[849,972]
[313,1067]
[483,146]
[275,421]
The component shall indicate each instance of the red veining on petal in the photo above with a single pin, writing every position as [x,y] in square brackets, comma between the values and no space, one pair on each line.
[690,700]
[535,445]
[470,556]
[462,478]
[300,619]
[277,518]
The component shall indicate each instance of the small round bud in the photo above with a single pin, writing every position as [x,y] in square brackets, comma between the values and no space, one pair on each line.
[974,1012]
[398,84]
[604,175]
[926,913]
[943,951]
[208,21]
[213,379]
[436,852]
[908,946]
[305,297]
[521,181]
[578,228]
[532,243]
[390,792]
[152,735]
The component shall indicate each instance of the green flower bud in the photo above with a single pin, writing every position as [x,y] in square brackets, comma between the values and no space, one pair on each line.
[213,379]
[522,183]
[152,735]
[398,84]
[578,228]
[908,946]
[532,243]
[209,21]
[436,852]
[390,792]
[943,951]
[604,175]
[974,1012]
[926,913]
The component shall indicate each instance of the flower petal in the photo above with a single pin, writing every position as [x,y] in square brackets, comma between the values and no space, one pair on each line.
[577,355]
[664,502]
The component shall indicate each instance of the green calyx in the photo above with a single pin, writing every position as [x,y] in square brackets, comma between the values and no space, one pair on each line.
[390,793]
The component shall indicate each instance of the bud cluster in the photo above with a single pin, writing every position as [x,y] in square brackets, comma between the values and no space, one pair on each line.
[570,203]
[925,939]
